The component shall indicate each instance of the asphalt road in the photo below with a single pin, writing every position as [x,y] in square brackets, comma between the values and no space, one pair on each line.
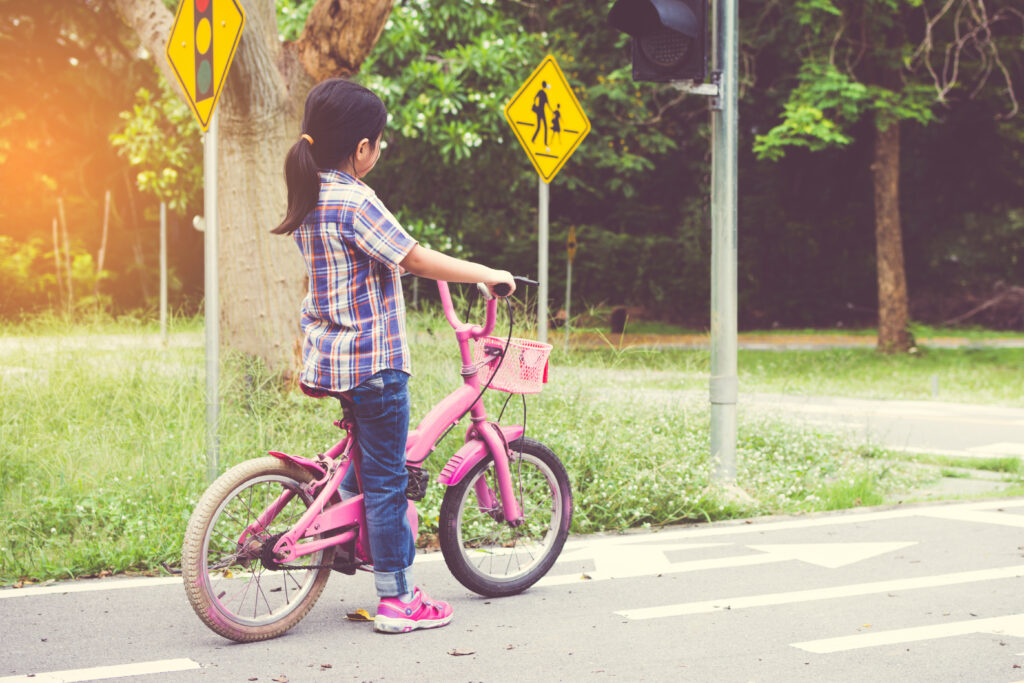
[918,593]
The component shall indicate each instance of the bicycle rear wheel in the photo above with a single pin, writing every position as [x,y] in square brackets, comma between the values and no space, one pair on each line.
[224,559]
[488,555]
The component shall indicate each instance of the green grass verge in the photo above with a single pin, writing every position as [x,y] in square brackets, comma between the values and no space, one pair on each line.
[102,431]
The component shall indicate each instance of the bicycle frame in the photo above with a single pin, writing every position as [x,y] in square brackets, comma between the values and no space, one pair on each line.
[328,513]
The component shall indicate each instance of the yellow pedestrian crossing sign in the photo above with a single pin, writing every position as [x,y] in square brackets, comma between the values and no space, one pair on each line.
[200,48]
[547,118]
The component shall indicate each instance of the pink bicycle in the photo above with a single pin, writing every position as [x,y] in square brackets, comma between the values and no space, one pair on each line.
[264,538]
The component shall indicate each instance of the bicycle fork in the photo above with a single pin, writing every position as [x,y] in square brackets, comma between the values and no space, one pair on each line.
[488,438]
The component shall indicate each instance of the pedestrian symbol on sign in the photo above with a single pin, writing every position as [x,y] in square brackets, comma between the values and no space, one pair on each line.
[547,130]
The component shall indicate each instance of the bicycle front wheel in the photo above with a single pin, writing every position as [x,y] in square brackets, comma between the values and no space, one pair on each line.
[485,553]
[230,577]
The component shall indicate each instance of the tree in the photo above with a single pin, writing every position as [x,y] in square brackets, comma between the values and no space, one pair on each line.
[260,111]
[874,60]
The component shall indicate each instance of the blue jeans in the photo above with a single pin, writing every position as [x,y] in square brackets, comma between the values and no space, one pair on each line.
[382,426]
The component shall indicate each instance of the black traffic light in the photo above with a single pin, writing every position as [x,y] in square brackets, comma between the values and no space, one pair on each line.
[669,38]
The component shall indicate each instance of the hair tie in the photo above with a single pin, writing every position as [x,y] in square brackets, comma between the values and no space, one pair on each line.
[306,137]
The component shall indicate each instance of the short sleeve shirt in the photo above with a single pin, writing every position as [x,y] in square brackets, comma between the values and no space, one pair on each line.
[353,317]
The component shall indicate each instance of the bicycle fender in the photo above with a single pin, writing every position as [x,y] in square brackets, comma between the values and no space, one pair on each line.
[305,463]
[470,454]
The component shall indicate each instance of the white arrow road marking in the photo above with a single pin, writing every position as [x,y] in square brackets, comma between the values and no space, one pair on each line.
[1012,625]
[852,590]
[620,562]
[96,673]
[650,560]
[831,555]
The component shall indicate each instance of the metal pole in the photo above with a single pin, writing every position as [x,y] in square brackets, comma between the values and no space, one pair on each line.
[163,272]
[724,122]
[568,299]
[211,321]
[543,199]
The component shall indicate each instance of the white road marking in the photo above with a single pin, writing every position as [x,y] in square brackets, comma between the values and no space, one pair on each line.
[852,590]
[977,517]
[650,560]
[99,672]
[88,585]
[1011,625]
[831,555]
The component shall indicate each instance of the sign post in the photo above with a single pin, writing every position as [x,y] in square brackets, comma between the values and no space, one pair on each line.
[570,250]
[200,49]
[724,383]
[550,124]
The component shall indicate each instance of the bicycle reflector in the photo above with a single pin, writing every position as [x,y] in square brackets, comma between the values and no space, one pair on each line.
[669,38]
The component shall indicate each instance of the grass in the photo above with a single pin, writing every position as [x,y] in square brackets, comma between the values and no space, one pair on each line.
[102,434]
[970,375]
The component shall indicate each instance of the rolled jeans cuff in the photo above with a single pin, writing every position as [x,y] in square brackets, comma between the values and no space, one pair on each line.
[391,584]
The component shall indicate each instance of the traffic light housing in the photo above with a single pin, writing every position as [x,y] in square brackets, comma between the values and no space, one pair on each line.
[670,40]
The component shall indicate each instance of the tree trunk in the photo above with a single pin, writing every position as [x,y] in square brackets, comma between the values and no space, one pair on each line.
[893,336]
[262,277]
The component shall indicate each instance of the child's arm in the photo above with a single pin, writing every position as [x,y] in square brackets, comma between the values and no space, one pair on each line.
[437,266]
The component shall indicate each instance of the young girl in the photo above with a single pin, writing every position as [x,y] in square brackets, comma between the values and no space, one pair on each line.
[354,320]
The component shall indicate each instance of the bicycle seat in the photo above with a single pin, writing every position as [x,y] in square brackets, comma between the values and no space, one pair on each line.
[315,392]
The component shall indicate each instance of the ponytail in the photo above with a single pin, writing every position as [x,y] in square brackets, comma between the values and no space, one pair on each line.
[338,115]
[303,179]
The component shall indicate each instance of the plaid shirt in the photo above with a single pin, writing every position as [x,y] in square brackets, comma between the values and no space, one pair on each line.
[354,314]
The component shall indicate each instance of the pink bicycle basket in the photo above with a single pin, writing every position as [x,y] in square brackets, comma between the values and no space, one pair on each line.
[524,370]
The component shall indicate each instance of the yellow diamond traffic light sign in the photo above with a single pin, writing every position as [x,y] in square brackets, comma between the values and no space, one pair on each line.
[200,49]
[547,118]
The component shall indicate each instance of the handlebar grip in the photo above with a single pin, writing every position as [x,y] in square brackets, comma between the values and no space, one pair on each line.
[501,289]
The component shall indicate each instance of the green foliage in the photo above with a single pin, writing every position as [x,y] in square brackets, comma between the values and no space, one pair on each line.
[637,187]
[291,17]
[161,141]
[20,283]
[826,103]
[28,281]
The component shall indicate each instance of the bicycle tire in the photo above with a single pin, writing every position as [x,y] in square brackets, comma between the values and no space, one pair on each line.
[226,581]
[489,556]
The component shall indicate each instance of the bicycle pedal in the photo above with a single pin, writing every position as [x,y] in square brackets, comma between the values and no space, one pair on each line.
[416,489]
[345,559]
[346,564]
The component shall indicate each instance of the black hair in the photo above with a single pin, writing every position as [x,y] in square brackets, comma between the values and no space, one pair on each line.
[338,115]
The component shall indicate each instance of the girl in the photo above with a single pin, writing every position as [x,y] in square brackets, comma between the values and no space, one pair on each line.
[353,319]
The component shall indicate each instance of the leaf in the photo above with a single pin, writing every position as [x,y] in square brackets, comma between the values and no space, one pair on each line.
[359,615]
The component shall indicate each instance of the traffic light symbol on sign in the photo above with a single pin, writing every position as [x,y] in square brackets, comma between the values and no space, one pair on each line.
[200,49]
[203,21]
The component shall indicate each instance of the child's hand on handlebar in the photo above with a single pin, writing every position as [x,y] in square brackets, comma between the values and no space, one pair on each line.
[501,283]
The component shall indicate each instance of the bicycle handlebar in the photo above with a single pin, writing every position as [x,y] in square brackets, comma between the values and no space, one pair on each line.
[501,289]
[488,327]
